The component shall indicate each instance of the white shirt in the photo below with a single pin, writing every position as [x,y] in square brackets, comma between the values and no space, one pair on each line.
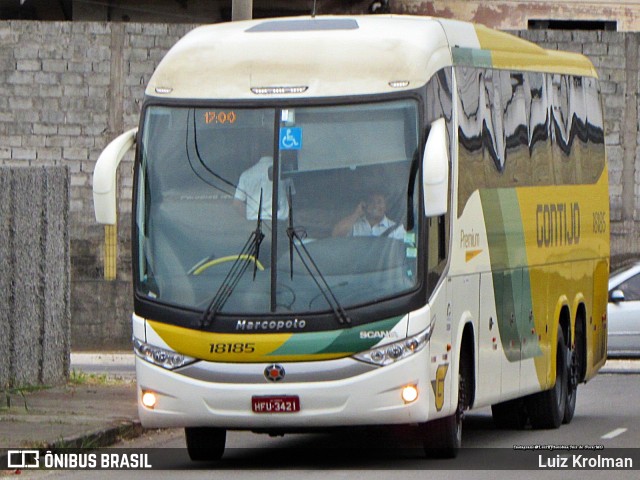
[362,228]
[252,181]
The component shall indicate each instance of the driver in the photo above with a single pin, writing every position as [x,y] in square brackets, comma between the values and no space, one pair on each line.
[369,219]
[256,179]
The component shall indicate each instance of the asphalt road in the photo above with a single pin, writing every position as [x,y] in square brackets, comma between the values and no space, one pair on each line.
[607,414]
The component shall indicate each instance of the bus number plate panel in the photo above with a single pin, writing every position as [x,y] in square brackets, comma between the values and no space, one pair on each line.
[275,404]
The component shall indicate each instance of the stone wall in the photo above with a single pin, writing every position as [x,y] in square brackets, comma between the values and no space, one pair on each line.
[34,279]
[516,14]
[69,88]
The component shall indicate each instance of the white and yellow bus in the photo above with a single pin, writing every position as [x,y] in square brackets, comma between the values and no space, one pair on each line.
[440,240]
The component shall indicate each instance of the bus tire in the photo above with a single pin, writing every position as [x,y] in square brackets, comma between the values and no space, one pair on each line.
[205,444]
[547,409]
[509,415]
[577,364]
[572,386]
[442,438]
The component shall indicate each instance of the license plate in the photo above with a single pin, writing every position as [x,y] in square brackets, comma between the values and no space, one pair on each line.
[271,404]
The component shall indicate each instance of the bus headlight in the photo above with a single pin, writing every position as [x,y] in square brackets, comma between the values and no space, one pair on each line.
[159,356]
[392,352]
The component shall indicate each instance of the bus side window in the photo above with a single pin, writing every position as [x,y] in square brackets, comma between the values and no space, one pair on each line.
[436,249]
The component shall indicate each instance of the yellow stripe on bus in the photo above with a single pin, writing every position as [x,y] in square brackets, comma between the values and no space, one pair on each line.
[512,53]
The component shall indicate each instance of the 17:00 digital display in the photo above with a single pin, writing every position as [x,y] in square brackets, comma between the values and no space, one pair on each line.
[220,117]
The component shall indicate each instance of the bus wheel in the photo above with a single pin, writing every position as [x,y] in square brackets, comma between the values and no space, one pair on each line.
[510,415]
[205,444]
[572,386]
[547,409]
[442,438]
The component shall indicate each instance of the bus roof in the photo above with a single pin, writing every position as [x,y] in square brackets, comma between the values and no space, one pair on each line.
[339,56]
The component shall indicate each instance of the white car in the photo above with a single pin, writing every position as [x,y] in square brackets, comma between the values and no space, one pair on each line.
[623,312]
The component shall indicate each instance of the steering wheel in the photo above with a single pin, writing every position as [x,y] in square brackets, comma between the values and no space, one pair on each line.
[205,264]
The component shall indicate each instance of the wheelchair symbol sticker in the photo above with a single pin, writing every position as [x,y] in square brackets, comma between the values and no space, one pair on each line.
[291,138]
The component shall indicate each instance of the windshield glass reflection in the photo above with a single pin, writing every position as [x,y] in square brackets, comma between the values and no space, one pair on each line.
[338,181]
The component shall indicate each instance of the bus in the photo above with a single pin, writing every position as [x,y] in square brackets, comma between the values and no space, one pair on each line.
[368,220]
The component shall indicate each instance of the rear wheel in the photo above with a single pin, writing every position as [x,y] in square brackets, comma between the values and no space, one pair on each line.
[205,444]
[572,386]
[547,409]
[577,365]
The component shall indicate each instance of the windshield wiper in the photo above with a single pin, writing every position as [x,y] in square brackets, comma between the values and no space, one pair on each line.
[250,253]
[296,236]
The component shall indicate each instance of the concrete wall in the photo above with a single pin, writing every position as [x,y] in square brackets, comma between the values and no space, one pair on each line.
[69,88]
[34,279]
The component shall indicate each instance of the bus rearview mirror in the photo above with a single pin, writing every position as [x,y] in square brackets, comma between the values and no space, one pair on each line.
[435,170]
[616,296]
[104,177]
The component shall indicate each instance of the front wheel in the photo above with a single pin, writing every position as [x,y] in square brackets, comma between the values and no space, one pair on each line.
[205,444]
[442,438]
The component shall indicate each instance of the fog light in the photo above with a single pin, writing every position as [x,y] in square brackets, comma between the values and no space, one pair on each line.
[410,393]
[149,399]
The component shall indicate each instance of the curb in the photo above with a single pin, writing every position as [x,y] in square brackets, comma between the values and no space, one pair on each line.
[621,366]
[103,437]
[617,371]
[100,438]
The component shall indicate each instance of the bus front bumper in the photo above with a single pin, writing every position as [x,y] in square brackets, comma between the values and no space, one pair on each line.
[370,398]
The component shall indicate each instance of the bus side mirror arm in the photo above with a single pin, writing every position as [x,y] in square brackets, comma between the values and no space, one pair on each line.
[104,177]
[435,170]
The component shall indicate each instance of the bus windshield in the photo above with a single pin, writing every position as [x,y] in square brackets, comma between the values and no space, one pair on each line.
[250,211]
